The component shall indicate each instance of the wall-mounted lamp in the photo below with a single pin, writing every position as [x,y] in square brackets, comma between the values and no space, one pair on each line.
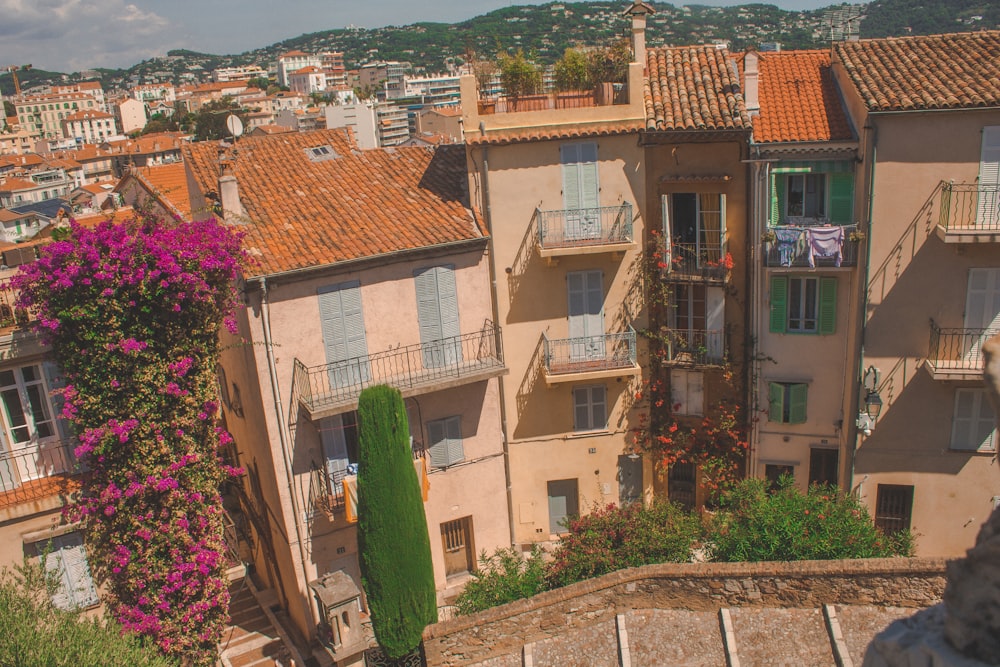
[873,402]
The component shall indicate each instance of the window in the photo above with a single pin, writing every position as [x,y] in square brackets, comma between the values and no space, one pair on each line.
[812,191]
[343,324]
[682,484]
[803,304]
[774,471]
[590,410]
[694,229]
[564,503]
[806,196]
[893,507]
[824,466]
[437,314]
[27,412]
[66,561]
[787,404]
[339,437]
[445,441]
[973,425]
[687,392]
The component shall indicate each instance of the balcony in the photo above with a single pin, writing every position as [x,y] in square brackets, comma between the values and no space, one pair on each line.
[691,347]
[42,474]
[584,231]
[702,262]
[969,213]
[957,354]
[335,491]
[590,357]
[811,246]
[606,94]
[415,369]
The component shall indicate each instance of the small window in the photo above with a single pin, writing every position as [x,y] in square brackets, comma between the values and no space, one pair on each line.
[893,507]
[774,471]
[803,305]
[590,411]
[446,441]
[973,425]
[687,392]
[65,560]
[824,466]
[787,404]
[806,196]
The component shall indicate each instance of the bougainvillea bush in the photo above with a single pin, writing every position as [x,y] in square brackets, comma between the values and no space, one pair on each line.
[132,312]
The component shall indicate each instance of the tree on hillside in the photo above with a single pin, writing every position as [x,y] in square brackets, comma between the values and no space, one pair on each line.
[210,121]
[132,313]
[393,543]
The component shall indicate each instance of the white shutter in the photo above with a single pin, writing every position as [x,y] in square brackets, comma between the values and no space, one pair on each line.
[988,208]
[667,247]
[446,441]
[570,157]
[974,422]
[722,225]
[437,313]
[331,434]
[343,325]
[687,392]
[453,429]
[715,320]
[67,562]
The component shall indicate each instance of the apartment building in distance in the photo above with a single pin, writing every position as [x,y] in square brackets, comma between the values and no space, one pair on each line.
[807,269]
[42,115]
[368,267]
[89,127]
[928,113]
[293,61]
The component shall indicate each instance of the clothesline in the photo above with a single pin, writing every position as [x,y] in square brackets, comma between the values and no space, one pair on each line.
[823,241]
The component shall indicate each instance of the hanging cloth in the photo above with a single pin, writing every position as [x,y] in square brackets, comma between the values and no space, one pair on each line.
[827,241]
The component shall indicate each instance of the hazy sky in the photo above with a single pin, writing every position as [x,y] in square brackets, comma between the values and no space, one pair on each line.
[70,35]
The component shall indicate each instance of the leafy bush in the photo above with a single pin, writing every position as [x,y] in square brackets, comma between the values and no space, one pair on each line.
[613,538]
[393,544]
[518,75]
[36,634]
[784,525]
[572,71]
[503,576]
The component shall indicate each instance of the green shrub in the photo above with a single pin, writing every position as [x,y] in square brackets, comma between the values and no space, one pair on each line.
[503,576]
[613,538]
[756,524]
[518,75]
[393,544]
[572,71]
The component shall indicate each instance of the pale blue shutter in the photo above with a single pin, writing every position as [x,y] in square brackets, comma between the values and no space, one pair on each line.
[331,434]
[67,562]
[581,191]
[437,314]
[585,293]
[446,441]
[343,325]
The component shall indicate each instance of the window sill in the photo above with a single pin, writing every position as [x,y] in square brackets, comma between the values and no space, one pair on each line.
[974,452]
[588,434]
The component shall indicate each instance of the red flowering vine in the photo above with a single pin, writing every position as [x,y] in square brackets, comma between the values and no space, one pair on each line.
[132,312]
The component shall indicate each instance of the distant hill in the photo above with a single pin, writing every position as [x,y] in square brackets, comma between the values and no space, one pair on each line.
[547,30]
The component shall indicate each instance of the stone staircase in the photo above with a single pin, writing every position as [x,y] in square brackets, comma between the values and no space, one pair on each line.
[251,639]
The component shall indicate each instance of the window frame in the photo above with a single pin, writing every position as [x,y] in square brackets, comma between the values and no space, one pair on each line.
[589,404]
[42,395]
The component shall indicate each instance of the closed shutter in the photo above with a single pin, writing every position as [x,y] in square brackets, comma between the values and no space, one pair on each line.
[988,206]
[564,502]
[446,441]
[779,304]
[580,185]
[842,198]
[827,305]
[776,402]
[974,423]
[687,392]
[722,225]
[667,261]
[331,435]
[797,396]
[585,293]
[437,314]
[67,563]
[343,325]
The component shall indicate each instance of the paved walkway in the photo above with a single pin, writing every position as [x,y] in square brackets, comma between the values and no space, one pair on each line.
[251,639]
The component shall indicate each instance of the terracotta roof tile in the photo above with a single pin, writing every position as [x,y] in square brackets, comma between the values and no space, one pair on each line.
[305,213]
[693,88]
[552,132]
[955,71]
[169,184]
[799,100]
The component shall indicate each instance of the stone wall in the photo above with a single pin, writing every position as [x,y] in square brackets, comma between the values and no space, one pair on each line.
[897,582]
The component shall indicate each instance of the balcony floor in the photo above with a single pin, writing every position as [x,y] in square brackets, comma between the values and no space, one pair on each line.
[38,495]
[583,371]
[571,248]
[957,369]
[968,235]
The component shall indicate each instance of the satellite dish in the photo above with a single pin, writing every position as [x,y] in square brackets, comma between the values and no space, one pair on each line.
[234,124]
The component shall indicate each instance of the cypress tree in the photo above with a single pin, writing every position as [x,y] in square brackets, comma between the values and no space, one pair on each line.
[393,543]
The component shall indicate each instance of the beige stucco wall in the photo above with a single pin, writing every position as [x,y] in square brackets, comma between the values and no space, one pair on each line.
[915,277]
[475,488]
[532,300]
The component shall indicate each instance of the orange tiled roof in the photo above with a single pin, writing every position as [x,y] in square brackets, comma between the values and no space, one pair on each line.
[955,71]
[552,132]
[15,184]
[88,115]
[169,184]
[358,204]
[693,88]
[799,100]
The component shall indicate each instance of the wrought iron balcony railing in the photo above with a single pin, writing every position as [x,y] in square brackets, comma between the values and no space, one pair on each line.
[969,207]
[38,470]
[802,246]
[413,368]
[330,488]
[700,261]
[696,347]
[957,351]
[570,228]
[607,352]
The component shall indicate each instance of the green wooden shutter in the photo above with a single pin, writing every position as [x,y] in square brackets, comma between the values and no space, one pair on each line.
[775,402]
[842,198]
[779,304]
[797,394]
[777,198]
[827,306]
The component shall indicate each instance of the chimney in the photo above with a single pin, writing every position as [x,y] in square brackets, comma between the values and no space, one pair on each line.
[751,87]
[639,10]
[229,195]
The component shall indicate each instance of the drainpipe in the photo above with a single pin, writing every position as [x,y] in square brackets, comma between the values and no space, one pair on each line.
[491,250]
[265,316]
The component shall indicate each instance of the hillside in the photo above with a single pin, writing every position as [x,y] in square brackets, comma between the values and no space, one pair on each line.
[547,30]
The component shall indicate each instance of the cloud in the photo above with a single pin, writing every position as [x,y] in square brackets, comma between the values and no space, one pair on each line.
[69,35]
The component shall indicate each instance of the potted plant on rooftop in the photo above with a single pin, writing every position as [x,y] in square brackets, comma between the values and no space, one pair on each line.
[519,76]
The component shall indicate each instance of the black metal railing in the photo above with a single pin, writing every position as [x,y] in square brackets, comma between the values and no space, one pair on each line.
[969,207]
[958,349]
[327,489]
[572,228]
[613,351]
[793,245]
[696,346]
[707,261]
[37,470]
[410,367]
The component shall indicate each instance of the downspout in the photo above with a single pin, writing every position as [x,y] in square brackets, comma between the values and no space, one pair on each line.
[862,326]
[491,252]
[265,316]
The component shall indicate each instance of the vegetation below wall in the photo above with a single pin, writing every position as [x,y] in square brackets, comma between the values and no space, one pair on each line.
[754,523]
